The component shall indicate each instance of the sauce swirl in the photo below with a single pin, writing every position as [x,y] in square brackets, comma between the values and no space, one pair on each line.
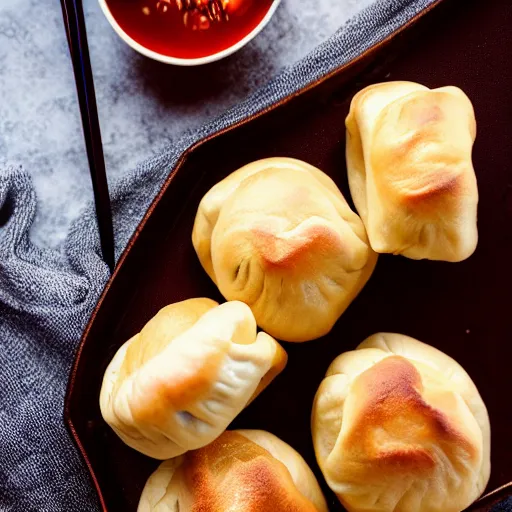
[168,34]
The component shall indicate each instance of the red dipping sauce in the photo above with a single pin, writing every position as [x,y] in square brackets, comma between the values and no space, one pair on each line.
[166,33]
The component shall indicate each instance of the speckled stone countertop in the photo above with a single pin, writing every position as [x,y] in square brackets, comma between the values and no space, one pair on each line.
[143,105]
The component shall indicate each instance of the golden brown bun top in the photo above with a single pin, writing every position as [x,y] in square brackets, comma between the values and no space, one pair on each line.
[398,426]
[177,384]
[232,466]
[278,235]
[392,418]
[410,170]
[169,323]
[236,474]
[411,158]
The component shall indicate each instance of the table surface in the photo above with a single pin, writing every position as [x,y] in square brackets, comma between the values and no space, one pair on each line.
[143,105]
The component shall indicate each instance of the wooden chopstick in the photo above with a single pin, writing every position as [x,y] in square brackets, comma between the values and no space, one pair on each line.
[74,22]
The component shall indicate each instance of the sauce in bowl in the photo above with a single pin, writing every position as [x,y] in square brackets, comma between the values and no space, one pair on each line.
[167,33]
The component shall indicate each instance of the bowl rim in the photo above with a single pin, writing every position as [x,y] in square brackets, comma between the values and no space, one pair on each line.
[178,61]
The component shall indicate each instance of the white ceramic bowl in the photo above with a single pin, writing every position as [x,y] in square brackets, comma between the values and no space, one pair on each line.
[187,62]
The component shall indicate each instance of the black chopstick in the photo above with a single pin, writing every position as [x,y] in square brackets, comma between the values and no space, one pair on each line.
[74,22]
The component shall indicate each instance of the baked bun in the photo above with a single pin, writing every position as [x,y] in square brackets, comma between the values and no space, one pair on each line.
[178,384]
[278,235]
[410,171]
[398,426]
[241,471]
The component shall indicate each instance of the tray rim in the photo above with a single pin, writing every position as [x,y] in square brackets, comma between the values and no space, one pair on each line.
[487,500]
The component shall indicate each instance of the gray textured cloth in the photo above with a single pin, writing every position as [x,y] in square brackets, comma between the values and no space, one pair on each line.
[45,301]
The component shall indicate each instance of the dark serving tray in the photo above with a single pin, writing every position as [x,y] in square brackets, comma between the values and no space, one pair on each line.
[464,309]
